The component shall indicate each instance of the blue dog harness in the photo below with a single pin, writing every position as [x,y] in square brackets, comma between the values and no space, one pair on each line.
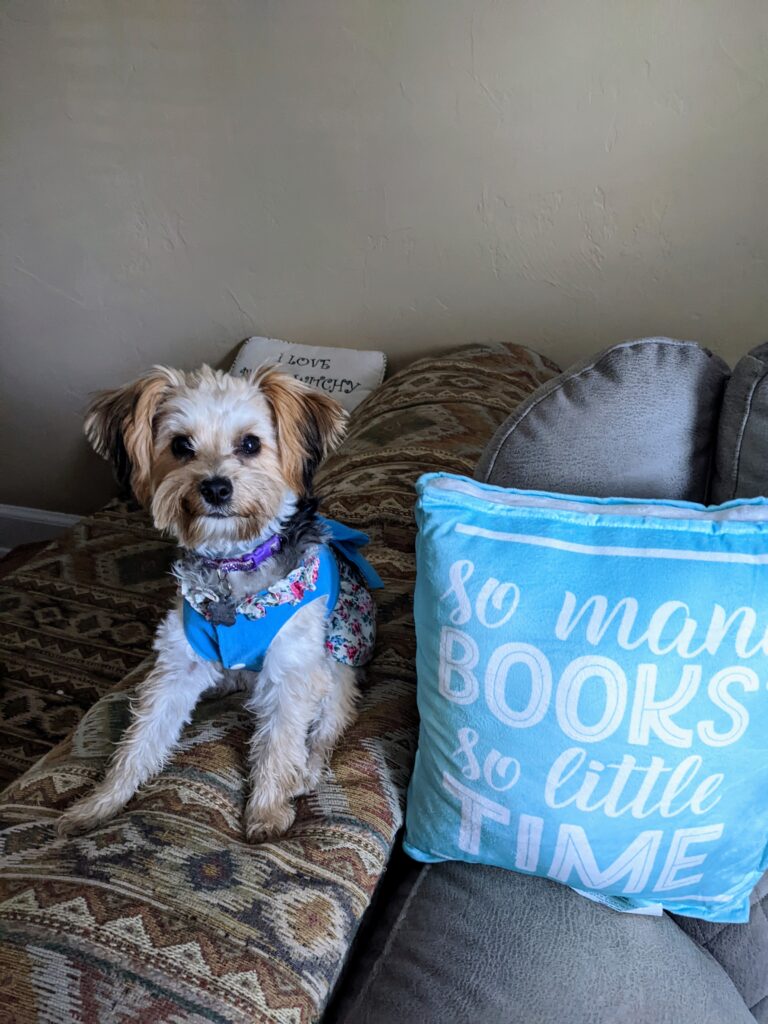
[334,571]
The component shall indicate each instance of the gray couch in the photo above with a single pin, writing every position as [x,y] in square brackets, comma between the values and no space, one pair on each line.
[460,943]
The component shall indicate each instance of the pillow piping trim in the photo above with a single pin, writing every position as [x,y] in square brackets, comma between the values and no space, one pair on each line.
[567,376]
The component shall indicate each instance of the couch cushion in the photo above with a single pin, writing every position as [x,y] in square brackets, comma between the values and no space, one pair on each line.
[165,912]
[479,943]
[741,459]
[638,420]
[741,950]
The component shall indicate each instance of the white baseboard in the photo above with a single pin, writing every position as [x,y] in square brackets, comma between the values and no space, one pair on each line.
[20,525]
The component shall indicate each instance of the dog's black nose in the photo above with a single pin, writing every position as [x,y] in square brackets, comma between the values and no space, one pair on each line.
[216,490]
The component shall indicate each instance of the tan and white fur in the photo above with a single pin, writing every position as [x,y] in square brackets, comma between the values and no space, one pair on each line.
[169,435]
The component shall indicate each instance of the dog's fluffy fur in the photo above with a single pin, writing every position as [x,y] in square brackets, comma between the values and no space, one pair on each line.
[166,434]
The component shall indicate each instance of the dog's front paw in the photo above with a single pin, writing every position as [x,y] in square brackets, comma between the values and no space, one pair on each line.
[86,814]
[262,823]
[311,776]
[76,819]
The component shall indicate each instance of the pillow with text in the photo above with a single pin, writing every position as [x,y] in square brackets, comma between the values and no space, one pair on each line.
[592,687]
[349,375]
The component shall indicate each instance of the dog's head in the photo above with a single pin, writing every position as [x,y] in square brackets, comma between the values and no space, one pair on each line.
[215,458]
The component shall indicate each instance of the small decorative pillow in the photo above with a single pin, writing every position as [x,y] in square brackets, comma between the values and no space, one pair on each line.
[347,374]
[592,682]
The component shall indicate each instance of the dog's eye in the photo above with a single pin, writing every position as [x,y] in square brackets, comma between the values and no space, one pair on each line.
[250,445]
[181,447]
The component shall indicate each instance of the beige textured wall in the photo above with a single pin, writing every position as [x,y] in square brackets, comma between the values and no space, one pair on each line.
[403,174]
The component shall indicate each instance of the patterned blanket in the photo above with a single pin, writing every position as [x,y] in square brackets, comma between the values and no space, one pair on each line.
[166,914]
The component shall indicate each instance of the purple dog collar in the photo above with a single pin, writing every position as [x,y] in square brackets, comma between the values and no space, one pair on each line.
[248,562]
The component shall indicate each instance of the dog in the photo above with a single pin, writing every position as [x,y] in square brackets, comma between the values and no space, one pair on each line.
[274,599]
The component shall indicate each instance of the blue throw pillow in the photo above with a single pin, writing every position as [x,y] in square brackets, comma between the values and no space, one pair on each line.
[592,685]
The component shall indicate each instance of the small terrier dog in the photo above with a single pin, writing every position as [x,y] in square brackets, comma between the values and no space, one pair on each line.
[225,464]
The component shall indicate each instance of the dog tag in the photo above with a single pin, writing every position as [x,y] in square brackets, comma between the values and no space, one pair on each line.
[222,613]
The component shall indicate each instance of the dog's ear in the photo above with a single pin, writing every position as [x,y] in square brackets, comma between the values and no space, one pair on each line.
[309,424]
[120,426]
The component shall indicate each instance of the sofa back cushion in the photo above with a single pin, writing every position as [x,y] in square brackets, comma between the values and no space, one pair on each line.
[741,459]
[637,420]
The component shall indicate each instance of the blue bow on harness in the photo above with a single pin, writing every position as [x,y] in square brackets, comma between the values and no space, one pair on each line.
[244,644]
